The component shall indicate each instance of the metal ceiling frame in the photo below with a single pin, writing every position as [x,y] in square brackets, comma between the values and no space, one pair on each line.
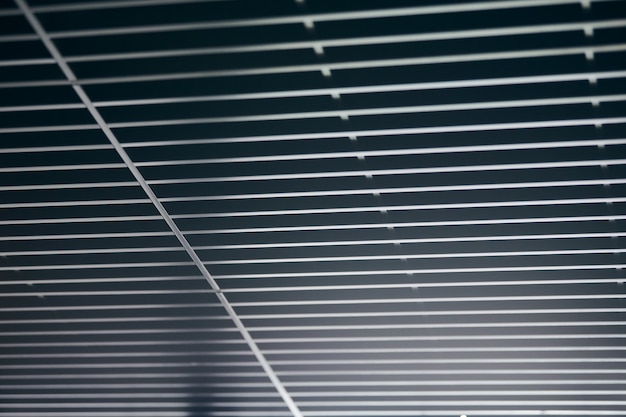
[309,298]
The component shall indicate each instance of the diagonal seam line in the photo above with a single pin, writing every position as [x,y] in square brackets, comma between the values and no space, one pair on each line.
[67,71]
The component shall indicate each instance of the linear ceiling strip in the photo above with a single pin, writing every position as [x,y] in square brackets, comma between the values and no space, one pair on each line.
[334,66]
[45,38]
[186,342]
[101,5]
[342,393]
[501,104]
[379,383]
[322,174]
[556,144]
[368,272]
[230,352]
[355,258]
[139,249]
[323,17]
[341,42]
[382,88]
[434,313]
[356,226]
[343,191]
[164,331]
[468,83]
[447,284]
[354,209]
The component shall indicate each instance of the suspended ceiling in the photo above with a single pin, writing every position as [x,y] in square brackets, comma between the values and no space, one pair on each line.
[312,208]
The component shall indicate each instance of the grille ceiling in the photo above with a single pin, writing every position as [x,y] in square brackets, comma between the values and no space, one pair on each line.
[312,208]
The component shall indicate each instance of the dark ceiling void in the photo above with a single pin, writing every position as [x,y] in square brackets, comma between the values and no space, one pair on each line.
[312,208]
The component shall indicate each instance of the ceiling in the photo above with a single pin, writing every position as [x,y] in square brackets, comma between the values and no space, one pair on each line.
[312,208]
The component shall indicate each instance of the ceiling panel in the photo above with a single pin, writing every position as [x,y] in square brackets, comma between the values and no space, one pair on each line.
[306,208]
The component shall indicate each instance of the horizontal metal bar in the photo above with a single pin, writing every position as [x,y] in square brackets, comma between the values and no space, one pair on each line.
[416,299]
[150,249]
[361,209]
[71,186]
[351,191]
[104,293]
[179,342]
[339,174]
[419,299]
[320,17]
[133,395]
[111,307]
[362,404]
[270,352]
[76,167]
[397,171]
[132,365]
[141,405]
[95,280]
[427,313]
[317,288]
[412,207]
[308,328]
[174,385]
[465,83]
[312,274]
[503,104]
[450,84]
[352,41]
[431,326]
[24,62]
[76,203]
[360,382]
[246,261]
[53,128]
[545,371]
[21,37]
[431,313]
[458,168]
[309,394]
[235,374]
[114,4]
[349,413]
[416,256]
[86,236]
[338,66]
[405,224]
[330,66]
[452,412]
[401,241]
[456,382]
[96,266]
[43,107]
[65,220]
[404,190]
[607,181]
[381,242]
[368,154]
[323,227]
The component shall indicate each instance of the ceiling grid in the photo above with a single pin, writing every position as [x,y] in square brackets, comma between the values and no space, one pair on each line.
[400,208]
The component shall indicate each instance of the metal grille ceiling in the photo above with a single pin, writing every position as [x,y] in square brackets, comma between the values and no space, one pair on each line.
[312,208]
